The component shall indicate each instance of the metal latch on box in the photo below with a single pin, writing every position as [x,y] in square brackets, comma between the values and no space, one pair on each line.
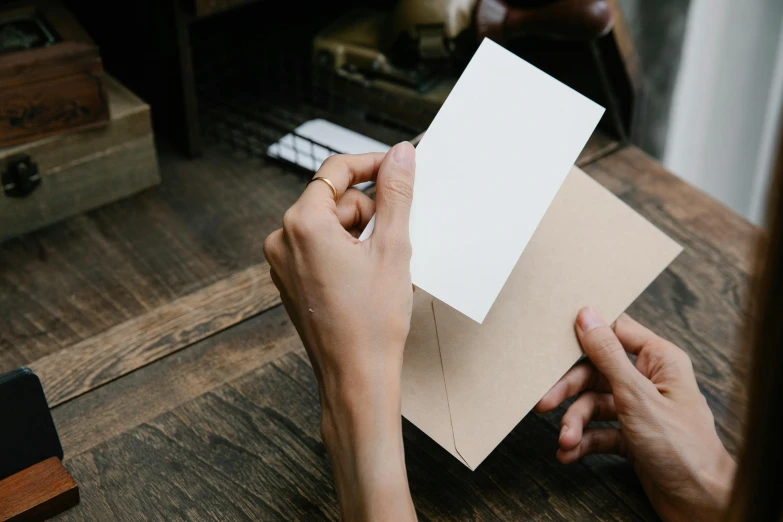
[433,42]
[20,177]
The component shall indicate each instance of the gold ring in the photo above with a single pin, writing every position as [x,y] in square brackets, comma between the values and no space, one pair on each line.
[331,186]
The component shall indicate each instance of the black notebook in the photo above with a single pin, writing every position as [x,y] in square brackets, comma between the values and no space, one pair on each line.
[27,432]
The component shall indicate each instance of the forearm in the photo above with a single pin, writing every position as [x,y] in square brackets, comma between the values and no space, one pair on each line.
[362,431]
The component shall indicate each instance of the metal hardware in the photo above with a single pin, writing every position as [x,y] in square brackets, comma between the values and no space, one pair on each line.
[20,177]
[433,42]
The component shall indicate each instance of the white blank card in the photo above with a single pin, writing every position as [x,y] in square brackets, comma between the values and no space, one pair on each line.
[486,171]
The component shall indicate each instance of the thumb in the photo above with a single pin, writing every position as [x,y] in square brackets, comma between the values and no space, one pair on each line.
[605,350]
[394,193]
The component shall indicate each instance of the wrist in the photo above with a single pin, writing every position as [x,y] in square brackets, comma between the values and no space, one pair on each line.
[361,411]
[362,431]
[361,426]
[363,394]
[718,482]
[710,494]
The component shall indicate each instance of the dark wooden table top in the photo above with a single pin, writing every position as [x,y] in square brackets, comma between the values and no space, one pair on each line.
[181,390]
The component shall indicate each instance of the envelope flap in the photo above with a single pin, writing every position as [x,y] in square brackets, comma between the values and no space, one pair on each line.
[589,249]
[424,400]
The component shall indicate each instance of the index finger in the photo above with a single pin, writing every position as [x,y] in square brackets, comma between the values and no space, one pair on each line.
[343,170]
[582,376]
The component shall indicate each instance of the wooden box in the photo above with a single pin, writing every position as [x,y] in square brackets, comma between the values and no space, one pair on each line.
[51,76]
[79,171]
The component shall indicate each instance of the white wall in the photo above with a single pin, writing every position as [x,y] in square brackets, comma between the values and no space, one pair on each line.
[727,101]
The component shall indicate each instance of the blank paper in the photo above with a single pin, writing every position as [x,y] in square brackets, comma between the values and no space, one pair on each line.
[486,171]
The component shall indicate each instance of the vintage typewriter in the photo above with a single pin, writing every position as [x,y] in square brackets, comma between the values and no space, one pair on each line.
[402,64]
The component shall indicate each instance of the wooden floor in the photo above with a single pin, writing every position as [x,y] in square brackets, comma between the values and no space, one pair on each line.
[181,391]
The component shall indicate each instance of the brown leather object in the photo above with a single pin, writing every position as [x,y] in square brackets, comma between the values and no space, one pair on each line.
[575,20]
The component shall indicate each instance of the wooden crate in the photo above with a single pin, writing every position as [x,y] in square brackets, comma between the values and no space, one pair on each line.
[51,77]
[84,170]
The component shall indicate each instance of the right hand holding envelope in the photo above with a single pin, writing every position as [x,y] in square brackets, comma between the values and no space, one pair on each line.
[667,430]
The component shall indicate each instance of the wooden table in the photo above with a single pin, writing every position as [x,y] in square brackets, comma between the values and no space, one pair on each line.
[181,390]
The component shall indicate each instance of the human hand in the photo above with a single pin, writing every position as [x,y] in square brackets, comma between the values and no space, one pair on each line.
[667,430]
[351,304]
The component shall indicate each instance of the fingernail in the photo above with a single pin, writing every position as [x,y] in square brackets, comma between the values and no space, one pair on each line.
[588,319]
[563,431]
[404,155]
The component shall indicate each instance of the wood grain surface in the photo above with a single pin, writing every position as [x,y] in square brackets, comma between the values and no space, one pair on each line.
[62,99]
[130,120]
[135,343]
[38,492]
[53,88]
[93,418]
[250,450]
[76,279]
[223,424]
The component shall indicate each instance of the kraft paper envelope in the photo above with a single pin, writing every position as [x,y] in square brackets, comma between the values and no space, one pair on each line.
[467,384]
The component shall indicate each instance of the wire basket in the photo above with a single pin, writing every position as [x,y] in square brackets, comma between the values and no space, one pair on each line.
[252,100]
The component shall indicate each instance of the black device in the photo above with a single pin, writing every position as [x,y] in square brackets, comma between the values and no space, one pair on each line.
[27,432]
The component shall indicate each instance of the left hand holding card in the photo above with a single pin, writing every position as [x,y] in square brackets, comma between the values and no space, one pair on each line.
[351,303]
